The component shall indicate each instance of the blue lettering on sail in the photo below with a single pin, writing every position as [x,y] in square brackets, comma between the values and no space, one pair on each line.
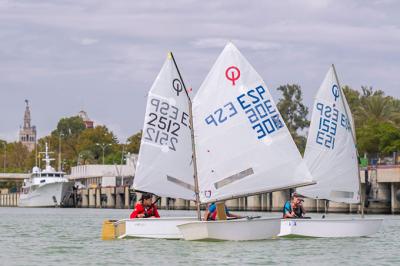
[260,112]
[328,124]
[221,115]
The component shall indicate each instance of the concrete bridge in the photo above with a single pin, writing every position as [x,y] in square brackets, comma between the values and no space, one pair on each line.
[5,177]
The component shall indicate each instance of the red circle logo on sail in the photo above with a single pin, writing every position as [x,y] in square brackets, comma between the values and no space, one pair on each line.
[232,73]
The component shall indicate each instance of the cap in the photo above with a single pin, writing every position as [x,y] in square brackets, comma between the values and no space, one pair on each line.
[297,195]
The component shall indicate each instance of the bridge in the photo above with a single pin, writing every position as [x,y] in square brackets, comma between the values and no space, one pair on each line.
[5,177]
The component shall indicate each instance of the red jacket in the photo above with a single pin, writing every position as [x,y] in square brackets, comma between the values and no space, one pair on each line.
[147,211]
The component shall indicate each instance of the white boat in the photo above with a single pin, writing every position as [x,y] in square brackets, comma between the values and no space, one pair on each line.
[45,188]
[163,228]
[232,230]
[165,165]
[243,148]
[353,227]
[331,156]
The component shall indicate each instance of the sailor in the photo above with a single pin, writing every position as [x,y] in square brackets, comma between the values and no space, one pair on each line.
[211,213]
[294,208]
[145,208]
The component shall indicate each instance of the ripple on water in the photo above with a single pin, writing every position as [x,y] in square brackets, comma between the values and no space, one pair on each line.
[72,236]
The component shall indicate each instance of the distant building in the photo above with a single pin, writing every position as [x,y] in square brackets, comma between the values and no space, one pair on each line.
[88,123]
[27,133]
[100,175]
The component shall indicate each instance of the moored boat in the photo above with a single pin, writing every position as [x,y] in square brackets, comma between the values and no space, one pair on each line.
[45,188]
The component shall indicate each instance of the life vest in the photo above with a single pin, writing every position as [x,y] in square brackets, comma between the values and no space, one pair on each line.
[212,215]
[298,212]
[287,203]
[147,211]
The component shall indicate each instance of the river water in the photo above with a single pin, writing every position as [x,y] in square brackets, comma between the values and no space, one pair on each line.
[72,236]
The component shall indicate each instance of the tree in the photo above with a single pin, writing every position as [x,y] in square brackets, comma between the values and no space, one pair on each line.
[133,143]
[17,158]
[294,112]
[377,120]
[69,129]
[90,137]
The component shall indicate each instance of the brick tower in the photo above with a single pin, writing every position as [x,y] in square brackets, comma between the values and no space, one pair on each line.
[27,134]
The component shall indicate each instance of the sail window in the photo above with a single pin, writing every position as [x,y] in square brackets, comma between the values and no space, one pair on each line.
[180,182]
[233,178]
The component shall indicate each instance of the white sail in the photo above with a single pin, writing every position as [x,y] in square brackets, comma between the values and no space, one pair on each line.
[242,144]
[330,151]
[165,159]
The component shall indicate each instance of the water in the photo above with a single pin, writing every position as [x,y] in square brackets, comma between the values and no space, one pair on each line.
[72,236]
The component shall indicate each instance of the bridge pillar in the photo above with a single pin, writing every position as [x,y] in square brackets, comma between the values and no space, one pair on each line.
[126,195]
[232,204]
[278,200]
[97,192]
[395,204]
[254,203]
[92,198]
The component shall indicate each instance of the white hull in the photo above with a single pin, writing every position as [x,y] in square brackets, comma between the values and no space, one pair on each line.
[46,195]
[165,228]
[235,230]
[330,227]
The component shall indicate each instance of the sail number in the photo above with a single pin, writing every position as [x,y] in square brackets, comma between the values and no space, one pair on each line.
[164,122]
[328,122]
[259,110]
[221,115]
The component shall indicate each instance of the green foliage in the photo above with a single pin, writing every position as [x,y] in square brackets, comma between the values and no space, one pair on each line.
[70,127]
[377,120]
[294,112]
[16,158]
[78,145]
[133,143]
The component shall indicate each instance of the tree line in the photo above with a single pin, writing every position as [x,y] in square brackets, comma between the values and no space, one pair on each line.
[376,115]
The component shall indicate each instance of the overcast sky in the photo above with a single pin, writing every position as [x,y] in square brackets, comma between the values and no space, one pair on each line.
[102,56]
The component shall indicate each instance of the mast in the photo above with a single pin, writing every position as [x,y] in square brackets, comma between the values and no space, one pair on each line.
[196,180]
[354,140]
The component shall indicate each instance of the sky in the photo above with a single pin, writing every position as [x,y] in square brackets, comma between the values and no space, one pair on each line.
[103,56]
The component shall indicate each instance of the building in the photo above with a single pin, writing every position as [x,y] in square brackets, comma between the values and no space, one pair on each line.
[88,123]
[27,133]
[100,175]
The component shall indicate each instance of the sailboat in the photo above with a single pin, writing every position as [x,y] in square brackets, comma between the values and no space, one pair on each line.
[165,163]
[243,148]
[332,158]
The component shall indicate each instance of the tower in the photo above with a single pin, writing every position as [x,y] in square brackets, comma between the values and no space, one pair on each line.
[27,134]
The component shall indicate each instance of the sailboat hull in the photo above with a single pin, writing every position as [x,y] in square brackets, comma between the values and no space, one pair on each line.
[163,228]
[330,227]
[233,230]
